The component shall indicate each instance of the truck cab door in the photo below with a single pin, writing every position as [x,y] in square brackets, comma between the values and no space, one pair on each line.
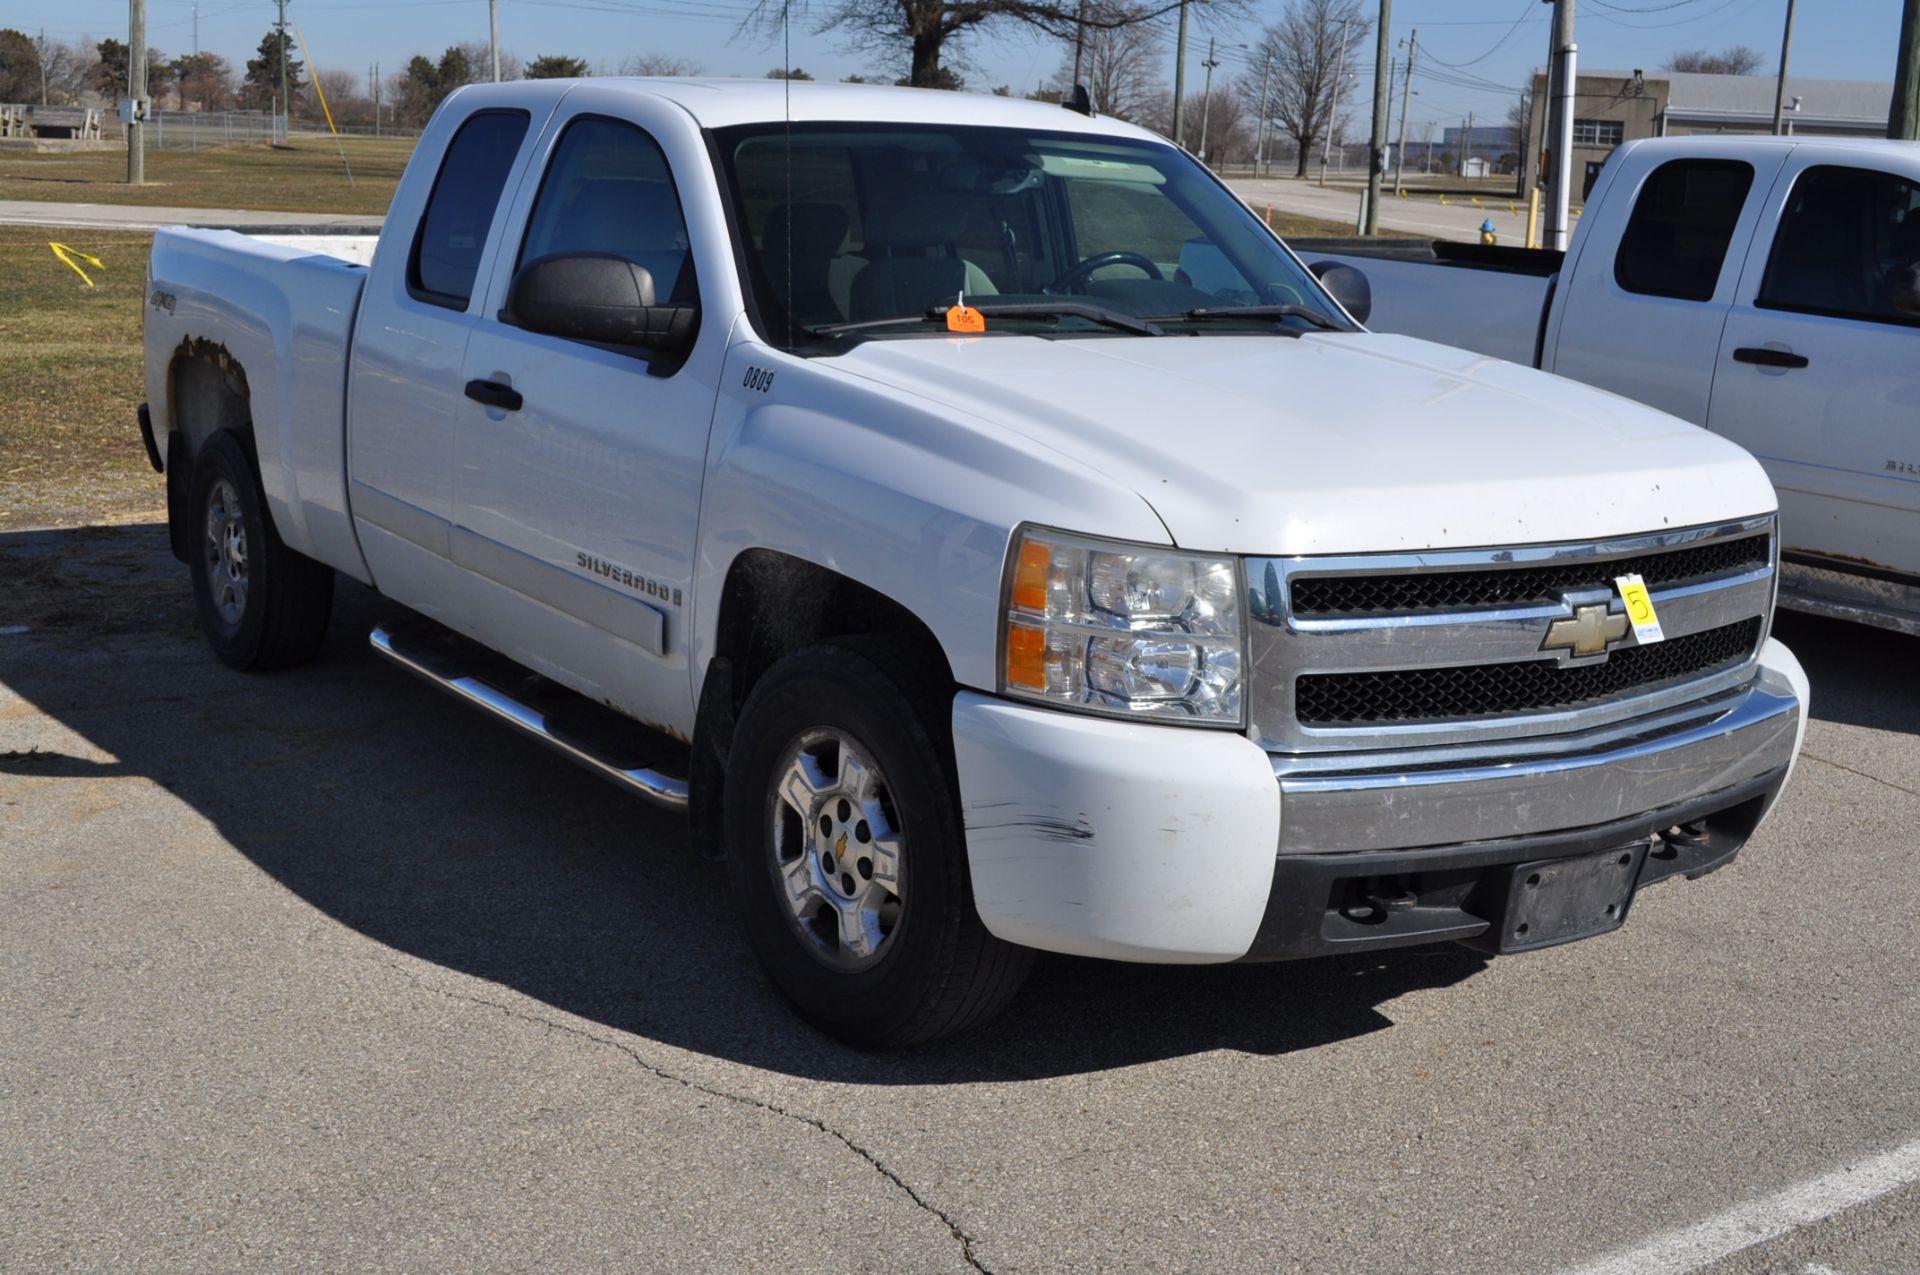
[577,507]
[422,298]
[1818,371]
[1643,302]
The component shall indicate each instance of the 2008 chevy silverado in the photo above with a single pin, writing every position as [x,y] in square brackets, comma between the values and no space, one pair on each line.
[1766,288]
[987,529]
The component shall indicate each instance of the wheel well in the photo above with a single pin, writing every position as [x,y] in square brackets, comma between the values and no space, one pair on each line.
[774,604]
[206,392]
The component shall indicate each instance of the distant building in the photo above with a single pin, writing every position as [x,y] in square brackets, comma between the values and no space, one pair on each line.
[1611,107]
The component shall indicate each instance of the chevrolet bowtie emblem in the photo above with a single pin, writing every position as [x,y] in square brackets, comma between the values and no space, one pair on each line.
[1591,630]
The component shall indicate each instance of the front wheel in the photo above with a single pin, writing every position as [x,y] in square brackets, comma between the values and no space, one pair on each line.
[261,604]
[846,852]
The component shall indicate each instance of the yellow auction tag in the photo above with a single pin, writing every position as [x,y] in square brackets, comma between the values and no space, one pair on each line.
[1640,612]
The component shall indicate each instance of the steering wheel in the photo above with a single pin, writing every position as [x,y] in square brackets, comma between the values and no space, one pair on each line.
[1077,273]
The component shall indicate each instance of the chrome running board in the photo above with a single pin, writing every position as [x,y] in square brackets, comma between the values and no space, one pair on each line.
[656,786]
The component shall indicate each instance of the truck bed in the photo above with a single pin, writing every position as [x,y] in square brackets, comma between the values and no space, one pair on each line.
[1489,299]
[282,307]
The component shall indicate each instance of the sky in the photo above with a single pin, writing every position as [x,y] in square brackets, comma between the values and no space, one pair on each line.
[1473,54]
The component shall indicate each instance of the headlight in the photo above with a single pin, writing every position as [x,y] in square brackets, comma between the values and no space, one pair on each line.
[1129,630]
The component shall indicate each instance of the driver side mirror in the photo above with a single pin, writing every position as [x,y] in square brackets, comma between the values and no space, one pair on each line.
[1348,286]
[597,297]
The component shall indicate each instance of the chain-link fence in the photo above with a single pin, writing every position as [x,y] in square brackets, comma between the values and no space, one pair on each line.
[197,130]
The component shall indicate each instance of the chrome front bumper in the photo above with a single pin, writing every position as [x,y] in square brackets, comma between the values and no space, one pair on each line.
[1443,797]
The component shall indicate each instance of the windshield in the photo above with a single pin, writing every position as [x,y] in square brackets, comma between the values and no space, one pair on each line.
[870,224]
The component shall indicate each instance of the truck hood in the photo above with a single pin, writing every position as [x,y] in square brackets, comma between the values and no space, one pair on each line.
[1335,442]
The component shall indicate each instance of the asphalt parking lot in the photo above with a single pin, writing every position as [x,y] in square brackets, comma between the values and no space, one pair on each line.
[318,970]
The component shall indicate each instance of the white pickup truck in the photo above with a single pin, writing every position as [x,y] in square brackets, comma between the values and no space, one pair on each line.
[1105,613]
[1765,288]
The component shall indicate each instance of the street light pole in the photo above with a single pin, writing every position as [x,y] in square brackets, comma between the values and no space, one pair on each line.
[493,36]
[1560,90]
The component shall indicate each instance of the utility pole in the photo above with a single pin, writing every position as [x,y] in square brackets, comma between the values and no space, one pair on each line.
[1406,93]
[1206,98]
[136,90]
[1260,133]
[1427,165]
[1180,81]
[1903,120]
[1377,143]
[1333,115]
[1559,139]
[40,51]
[1466,144]
[493,36]
[1780,89]
[196,28]
[286,105]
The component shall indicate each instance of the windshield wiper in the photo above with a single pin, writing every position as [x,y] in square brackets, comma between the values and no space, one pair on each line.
[1063,309]
[1304,313]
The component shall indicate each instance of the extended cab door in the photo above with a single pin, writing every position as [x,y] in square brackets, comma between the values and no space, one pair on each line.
[577,510]
[421,299]
[1642,306]
[1819,370]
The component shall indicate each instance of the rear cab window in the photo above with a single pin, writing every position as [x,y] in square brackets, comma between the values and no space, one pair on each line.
[453,229]
[1847,239]
[1676,241]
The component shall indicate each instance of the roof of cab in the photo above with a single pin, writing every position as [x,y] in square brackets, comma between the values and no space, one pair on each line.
[721,103]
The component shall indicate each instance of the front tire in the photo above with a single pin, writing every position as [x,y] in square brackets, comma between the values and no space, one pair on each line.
[261,604]
[846,852]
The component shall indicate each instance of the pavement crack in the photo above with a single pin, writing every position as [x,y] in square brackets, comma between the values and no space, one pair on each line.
[1851,770]
[873,1160]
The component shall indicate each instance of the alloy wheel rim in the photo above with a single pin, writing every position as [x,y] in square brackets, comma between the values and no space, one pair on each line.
[838,854]
[226,553]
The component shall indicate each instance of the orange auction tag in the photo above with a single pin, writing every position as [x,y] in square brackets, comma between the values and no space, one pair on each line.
[963,318]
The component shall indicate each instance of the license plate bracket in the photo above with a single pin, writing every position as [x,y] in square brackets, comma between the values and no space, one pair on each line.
[1553,901]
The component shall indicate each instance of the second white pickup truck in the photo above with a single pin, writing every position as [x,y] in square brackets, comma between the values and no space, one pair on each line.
[1144,606]
[1767,288]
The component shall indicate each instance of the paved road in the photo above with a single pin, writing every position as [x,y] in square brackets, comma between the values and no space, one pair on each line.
[1458,219]
[316,970]
[24,212]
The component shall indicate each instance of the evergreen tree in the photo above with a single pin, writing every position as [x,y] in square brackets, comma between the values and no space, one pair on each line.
[262,84]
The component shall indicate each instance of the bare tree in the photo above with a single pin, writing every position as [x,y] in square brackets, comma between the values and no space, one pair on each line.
[1735,59]
[659,64]
[63,71]
[923,30]
[346,99]
[1118,63]
[1308,66]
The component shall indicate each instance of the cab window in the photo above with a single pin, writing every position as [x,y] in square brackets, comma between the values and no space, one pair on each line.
[1848,239]
[453,230]
[1676,241]
[608,190]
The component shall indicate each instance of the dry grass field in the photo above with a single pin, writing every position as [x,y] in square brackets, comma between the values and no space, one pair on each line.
[306,174]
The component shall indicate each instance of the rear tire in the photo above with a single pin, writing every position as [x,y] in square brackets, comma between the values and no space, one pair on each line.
[262,606]
[847,855]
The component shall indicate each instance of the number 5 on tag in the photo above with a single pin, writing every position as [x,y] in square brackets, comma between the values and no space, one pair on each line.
[1640,612]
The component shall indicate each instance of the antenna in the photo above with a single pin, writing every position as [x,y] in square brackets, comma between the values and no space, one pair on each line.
[1080,100]
[786,60]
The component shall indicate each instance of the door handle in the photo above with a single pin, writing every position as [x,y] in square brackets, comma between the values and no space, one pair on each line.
[504,397]
[1764,357]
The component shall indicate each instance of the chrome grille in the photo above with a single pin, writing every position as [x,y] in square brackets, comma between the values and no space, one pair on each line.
[1394,651]
[1489,690]
[1521,586]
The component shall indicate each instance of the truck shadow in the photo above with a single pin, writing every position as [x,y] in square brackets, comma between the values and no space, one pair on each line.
[403,816]
[1859,676]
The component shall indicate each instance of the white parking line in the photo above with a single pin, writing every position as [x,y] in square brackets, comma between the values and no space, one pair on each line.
[1757,1221]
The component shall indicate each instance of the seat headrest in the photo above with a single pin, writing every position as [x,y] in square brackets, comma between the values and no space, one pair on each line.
[817,230]
[918,217]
